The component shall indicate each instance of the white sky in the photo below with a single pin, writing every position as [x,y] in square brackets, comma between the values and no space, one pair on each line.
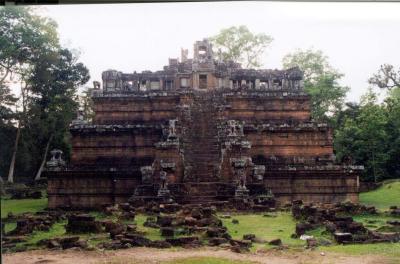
[357,37]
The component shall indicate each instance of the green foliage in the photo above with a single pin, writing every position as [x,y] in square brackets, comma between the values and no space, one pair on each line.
[49,76]
[393,131]
[23,37]
[54,86]
[22,206]
[320,82]
[86,104]
[370,134]
[239,44]
[7,101]
[383,197]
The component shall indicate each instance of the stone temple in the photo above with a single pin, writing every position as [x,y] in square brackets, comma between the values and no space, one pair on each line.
[200,130]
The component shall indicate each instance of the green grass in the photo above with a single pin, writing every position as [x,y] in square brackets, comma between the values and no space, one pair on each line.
[383,249]
[383,197]
[373,221]
[282,226]
[151,233]
[57,230]
[207,260]
[22,206]
[10,226]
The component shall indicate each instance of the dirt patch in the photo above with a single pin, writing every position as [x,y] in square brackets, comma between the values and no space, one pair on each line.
[149,255]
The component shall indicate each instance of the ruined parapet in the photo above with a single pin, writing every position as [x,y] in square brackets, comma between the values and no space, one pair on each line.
[112,81]
[203,73]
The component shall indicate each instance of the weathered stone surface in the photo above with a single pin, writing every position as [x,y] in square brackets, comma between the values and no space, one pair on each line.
[82,223]
[216,241]
[63,243]
[137,240]
[240,245]
[183,241]
[343,237]
[301,228]
[164,221]
[251,237]
[311,243]
[160,244]
[275,242]
[167,231]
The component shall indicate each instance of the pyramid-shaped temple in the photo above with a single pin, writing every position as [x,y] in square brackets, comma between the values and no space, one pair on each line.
[200,131]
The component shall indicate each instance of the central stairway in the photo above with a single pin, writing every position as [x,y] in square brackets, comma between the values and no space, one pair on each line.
[202,149]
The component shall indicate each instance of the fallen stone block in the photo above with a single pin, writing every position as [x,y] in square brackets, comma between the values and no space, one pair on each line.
[275,242]
[342,238]
[167,231]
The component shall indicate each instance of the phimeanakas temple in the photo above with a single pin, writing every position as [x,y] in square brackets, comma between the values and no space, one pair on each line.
[200,131]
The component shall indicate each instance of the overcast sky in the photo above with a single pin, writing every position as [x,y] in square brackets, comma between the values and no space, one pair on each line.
[357,37]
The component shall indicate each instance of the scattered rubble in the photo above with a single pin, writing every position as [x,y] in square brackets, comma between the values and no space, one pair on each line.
[82,223]
[336,221]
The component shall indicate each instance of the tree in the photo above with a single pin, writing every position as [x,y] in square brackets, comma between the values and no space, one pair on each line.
[7,102]
[393,131]
[320,82]
[365,138]
[386,78]
[54,86]
[86,104]
[240,45]
[49,76]
[23,37]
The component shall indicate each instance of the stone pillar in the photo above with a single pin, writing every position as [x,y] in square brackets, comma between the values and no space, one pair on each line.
[257,84]
[195,81]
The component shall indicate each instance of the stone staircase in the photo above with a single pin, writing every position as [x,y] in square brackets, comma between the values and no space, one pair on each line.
[202,149]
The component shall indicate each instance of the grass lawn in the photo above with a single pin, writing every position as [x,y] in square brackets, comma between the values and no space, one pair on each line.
[57,230]
[383,197]
[374,221]
[151,233]
[276,225]
[22,206]
[383,249]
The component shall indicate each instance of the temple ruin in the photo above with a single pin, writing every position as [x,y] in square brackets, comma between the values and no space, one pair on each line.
[198,131]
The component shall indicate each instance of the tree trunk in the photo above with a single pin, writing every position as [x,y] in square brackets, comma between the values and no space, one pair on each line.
[39,173]
[14,154]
